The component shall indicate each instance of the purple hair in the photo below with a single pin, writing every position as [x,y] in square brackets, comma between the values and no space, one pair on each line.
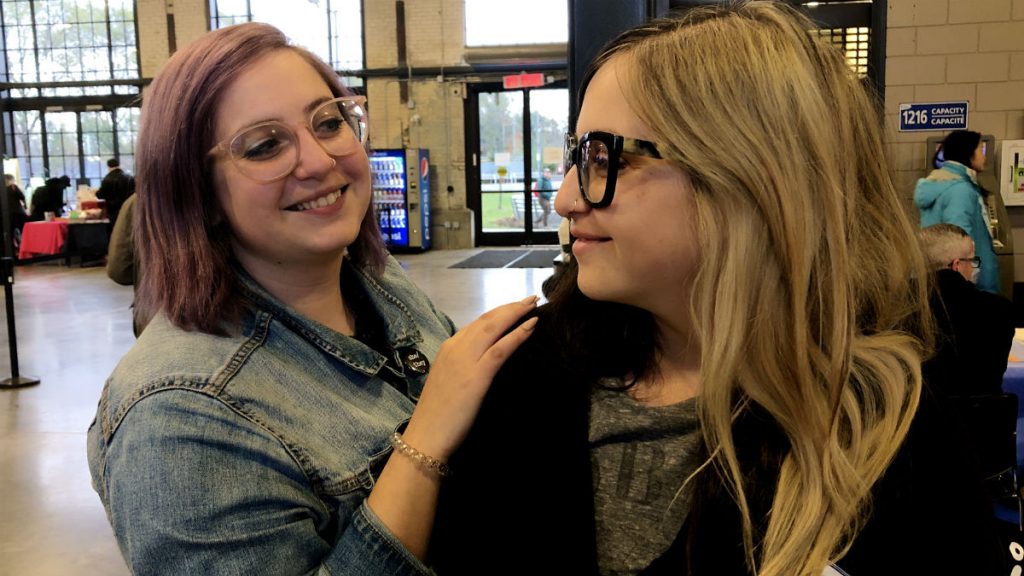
[183,237]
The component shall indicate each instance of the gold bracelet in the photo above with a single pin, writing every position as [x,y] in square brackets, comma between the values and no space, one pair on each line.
[430,462]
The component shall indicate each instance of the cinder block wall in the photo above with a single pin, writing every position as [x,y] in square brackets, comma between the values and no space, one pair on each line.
[949,50]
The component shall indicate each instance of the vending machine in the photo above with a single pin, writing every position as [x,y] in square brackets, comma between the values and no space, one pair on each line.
[401,197]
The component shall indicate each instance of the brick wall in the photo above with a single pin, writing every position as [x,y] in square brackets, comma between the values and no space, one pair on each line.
[948,50]
[434,33]
[431,117]
[151,20]
[190,22]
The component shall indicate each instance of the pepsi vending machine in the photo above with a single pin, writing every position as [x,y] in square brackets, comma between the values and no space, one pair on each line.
[401,197]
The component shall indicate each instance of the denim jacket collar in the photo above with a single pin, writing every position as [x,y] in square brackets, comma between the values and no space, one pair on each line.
[400,326]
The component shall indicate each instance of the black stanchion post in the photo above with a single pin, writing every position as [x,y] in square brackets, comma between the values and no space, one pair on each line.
[7,279]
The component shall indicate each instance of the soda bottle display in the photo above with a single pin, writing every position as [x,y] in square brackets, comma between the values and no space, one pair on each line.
[393,173]
[400,217]
[385,230]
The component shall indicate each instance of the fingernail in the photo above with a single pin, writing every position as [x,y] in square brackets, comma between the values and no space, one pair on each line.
[530,300]
[529,325]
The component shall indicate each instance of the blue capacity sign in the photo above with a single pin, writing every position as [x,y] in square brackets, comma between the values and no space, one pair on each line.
[937,116]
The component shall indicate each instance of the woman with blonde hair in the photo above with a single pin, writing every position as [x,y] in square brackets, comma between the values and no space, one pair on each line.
[733,362]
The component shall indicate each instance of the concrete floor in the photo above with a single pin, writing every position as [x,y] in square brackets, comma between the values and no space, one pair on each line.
[73,324]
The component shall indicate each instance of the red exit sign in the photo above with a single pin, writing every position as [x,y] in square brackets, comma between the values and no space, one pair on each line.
[523,81]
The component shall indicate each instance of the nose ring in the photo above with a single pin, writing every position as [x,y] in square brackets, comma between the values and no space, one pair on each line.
[574,205]
[334,162]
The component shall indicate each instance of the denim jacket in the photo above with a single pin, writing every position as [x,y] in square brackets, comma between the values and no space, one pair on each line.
[254,453]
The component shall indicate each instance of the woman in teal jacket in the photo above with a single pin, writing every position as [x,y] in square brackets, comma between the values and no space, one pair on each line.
[951,195]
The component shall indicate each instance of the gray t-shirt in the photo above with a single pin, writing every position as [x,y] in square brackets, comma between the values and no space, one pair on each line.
[640,457]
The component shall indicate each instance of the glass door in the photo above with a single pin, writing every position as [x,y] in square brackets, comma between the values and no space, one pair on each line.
[516,163]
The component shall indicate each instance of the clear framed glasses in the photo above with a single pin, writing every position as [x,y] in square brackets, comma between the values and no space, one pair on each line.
[975,262]
[596,156]
[269,151]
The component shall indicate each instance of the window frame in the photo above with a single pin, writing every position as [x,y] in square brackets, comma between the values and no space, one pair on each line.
[112,87]
[331,11]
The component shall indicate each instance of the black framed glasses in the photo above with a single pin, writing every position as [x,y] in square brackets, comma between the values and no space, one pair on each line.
[596,156]
[269,151]
[975,262]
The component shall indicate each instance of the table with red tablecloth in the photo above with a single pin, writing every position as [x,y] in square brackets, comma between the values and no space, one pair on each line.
[86,239]
[42,238]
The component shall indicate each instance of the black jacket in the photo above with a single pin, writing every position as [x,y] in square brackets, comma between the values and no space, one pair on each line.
[16,204]
[115,188]
[520,500]
[975,330]
[48,198]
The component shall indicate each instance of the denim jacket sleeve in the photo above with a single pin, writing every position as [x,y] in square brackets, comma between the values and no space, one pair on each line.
[232,500]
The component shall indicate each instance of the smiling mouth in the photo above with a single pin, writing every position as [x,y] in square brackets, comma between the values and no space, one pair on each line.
[591,238]
[320,202]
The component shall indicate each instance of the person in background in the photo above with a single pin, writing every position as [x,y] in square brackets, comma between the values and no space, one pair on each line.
[121,258]
[16,202]
[39,200]
[975,327]
[263,422]
[49,198]
[115,189]
[544,195]
[728,378]
[951,195]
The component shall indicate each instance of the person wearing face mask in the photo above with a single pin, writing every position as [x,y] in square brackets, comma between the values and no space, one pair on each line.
[727,379]
[951,195]
[264,422]
[975,328]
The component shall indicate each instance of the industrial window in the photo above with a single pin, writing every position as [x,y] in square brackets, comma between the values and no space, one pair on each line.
[857,27]
[855,44]
[62,143]
[126,123]
[76,144]
[530,22]
[97,144]
[28,145]
[75,65]
[105,134]
[331,29]
[49,41]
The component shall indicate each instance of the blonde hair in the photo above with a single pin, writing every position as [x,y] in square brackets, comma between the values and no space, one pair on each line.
[810,301]
[943,243]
